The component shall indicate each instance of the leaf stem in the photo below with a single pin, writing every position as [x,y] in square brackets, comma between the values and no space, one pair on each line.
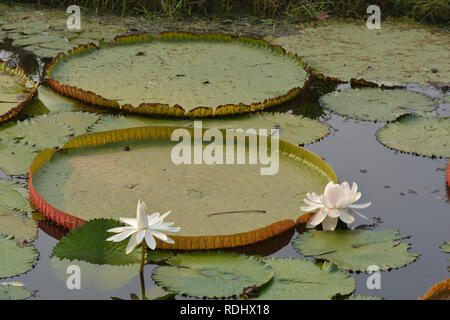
[144,249]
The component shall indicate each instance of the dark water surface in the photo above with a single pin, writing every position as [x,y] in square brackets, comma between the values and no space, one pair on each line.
[408,193]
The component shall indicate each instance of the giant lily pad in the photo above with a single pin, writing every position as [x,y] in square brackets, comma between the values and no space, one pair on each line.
[11,195]
[17,224]
[16,90]
[301,279]
[294,129]
[215,205]
[179,74]
[15,260]
[212,274]
[356,250]
[377,105]
[425,136]
[346,49]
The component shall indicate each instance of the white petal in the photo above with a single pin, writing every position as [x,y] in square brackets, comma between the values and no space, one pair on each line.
[354,187]
[167,229]
[333,193]
[359,214]
[130,221]
[131,244]
[159,235]
[333,213]
[142,218]
[153,218]
[160,219]
[329,223]
[169,240]
[346,217]
[360,206]
[313,204]
[121,229]
[356,196]
[140,236]
[313,197]
[151,243]
[345,187]
[316,219]
[120,236]
[308,209]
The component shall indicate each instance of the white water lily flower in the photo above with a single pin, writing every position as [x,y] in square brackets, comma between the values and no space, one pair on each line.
[335,203]
[143,227]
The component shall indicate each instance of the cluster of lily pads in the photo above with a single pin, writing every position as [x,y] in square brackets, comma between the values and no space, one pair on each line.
[59,123]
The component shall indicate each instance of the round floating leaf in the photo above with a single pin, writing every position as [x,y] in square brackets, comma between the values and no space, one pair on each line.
[424,136]
[11,195]
[158,255]
[212,274]
[439,291]
[229,205]
[16,158]
[8,292]
[105,277]
[354,51]
[16,90]
[88,243]
[301,279]
[356,250]
[35,39]
[294,129]
[445,247]
[15,260]
[78,121]
[40,131]
[376,104]
[207,74]
[55,102]
[17,224]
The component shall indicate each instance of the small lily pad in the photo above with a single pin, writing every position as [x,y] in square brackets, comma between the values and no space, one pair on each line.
[301,279]
[17,224]
[16,158]
[424,136]
[356,250]
[11,195]
[88,243]
[375,104]
[445,247]
[15,260]
[8,292]
[212,274]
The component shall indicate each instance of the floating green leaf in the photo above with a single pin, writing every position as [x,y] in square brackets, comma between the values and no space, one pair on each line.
[445,247]
[8,292]
[301,279]
[79,122]
[11,195]
[40,131]
[386,56]
[363,297]
[55,102]
[356,250]
[16,158]
[375,104]
[88,243]
[424,136]
[212,274]
[17,224]
[295,129]
[15,260]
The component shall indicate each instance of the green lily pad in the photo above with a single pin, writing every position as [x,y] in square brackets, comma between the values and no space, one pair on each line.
[16,89]
[158,255]
[55,102]
[35,39]
[375,104]
[8,292]
[15,260]
[216,72]
[12,196]
[16,158]
[386,56]
[79,122]
[424,136]
[230,204]
[294,129]
[212,274]
[445,247]
[356,250]
[88,243]
[17,224]
[301,279]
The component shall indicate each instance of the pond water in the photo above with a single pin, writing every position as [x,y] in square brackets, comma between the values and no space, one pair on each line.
[408,193]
